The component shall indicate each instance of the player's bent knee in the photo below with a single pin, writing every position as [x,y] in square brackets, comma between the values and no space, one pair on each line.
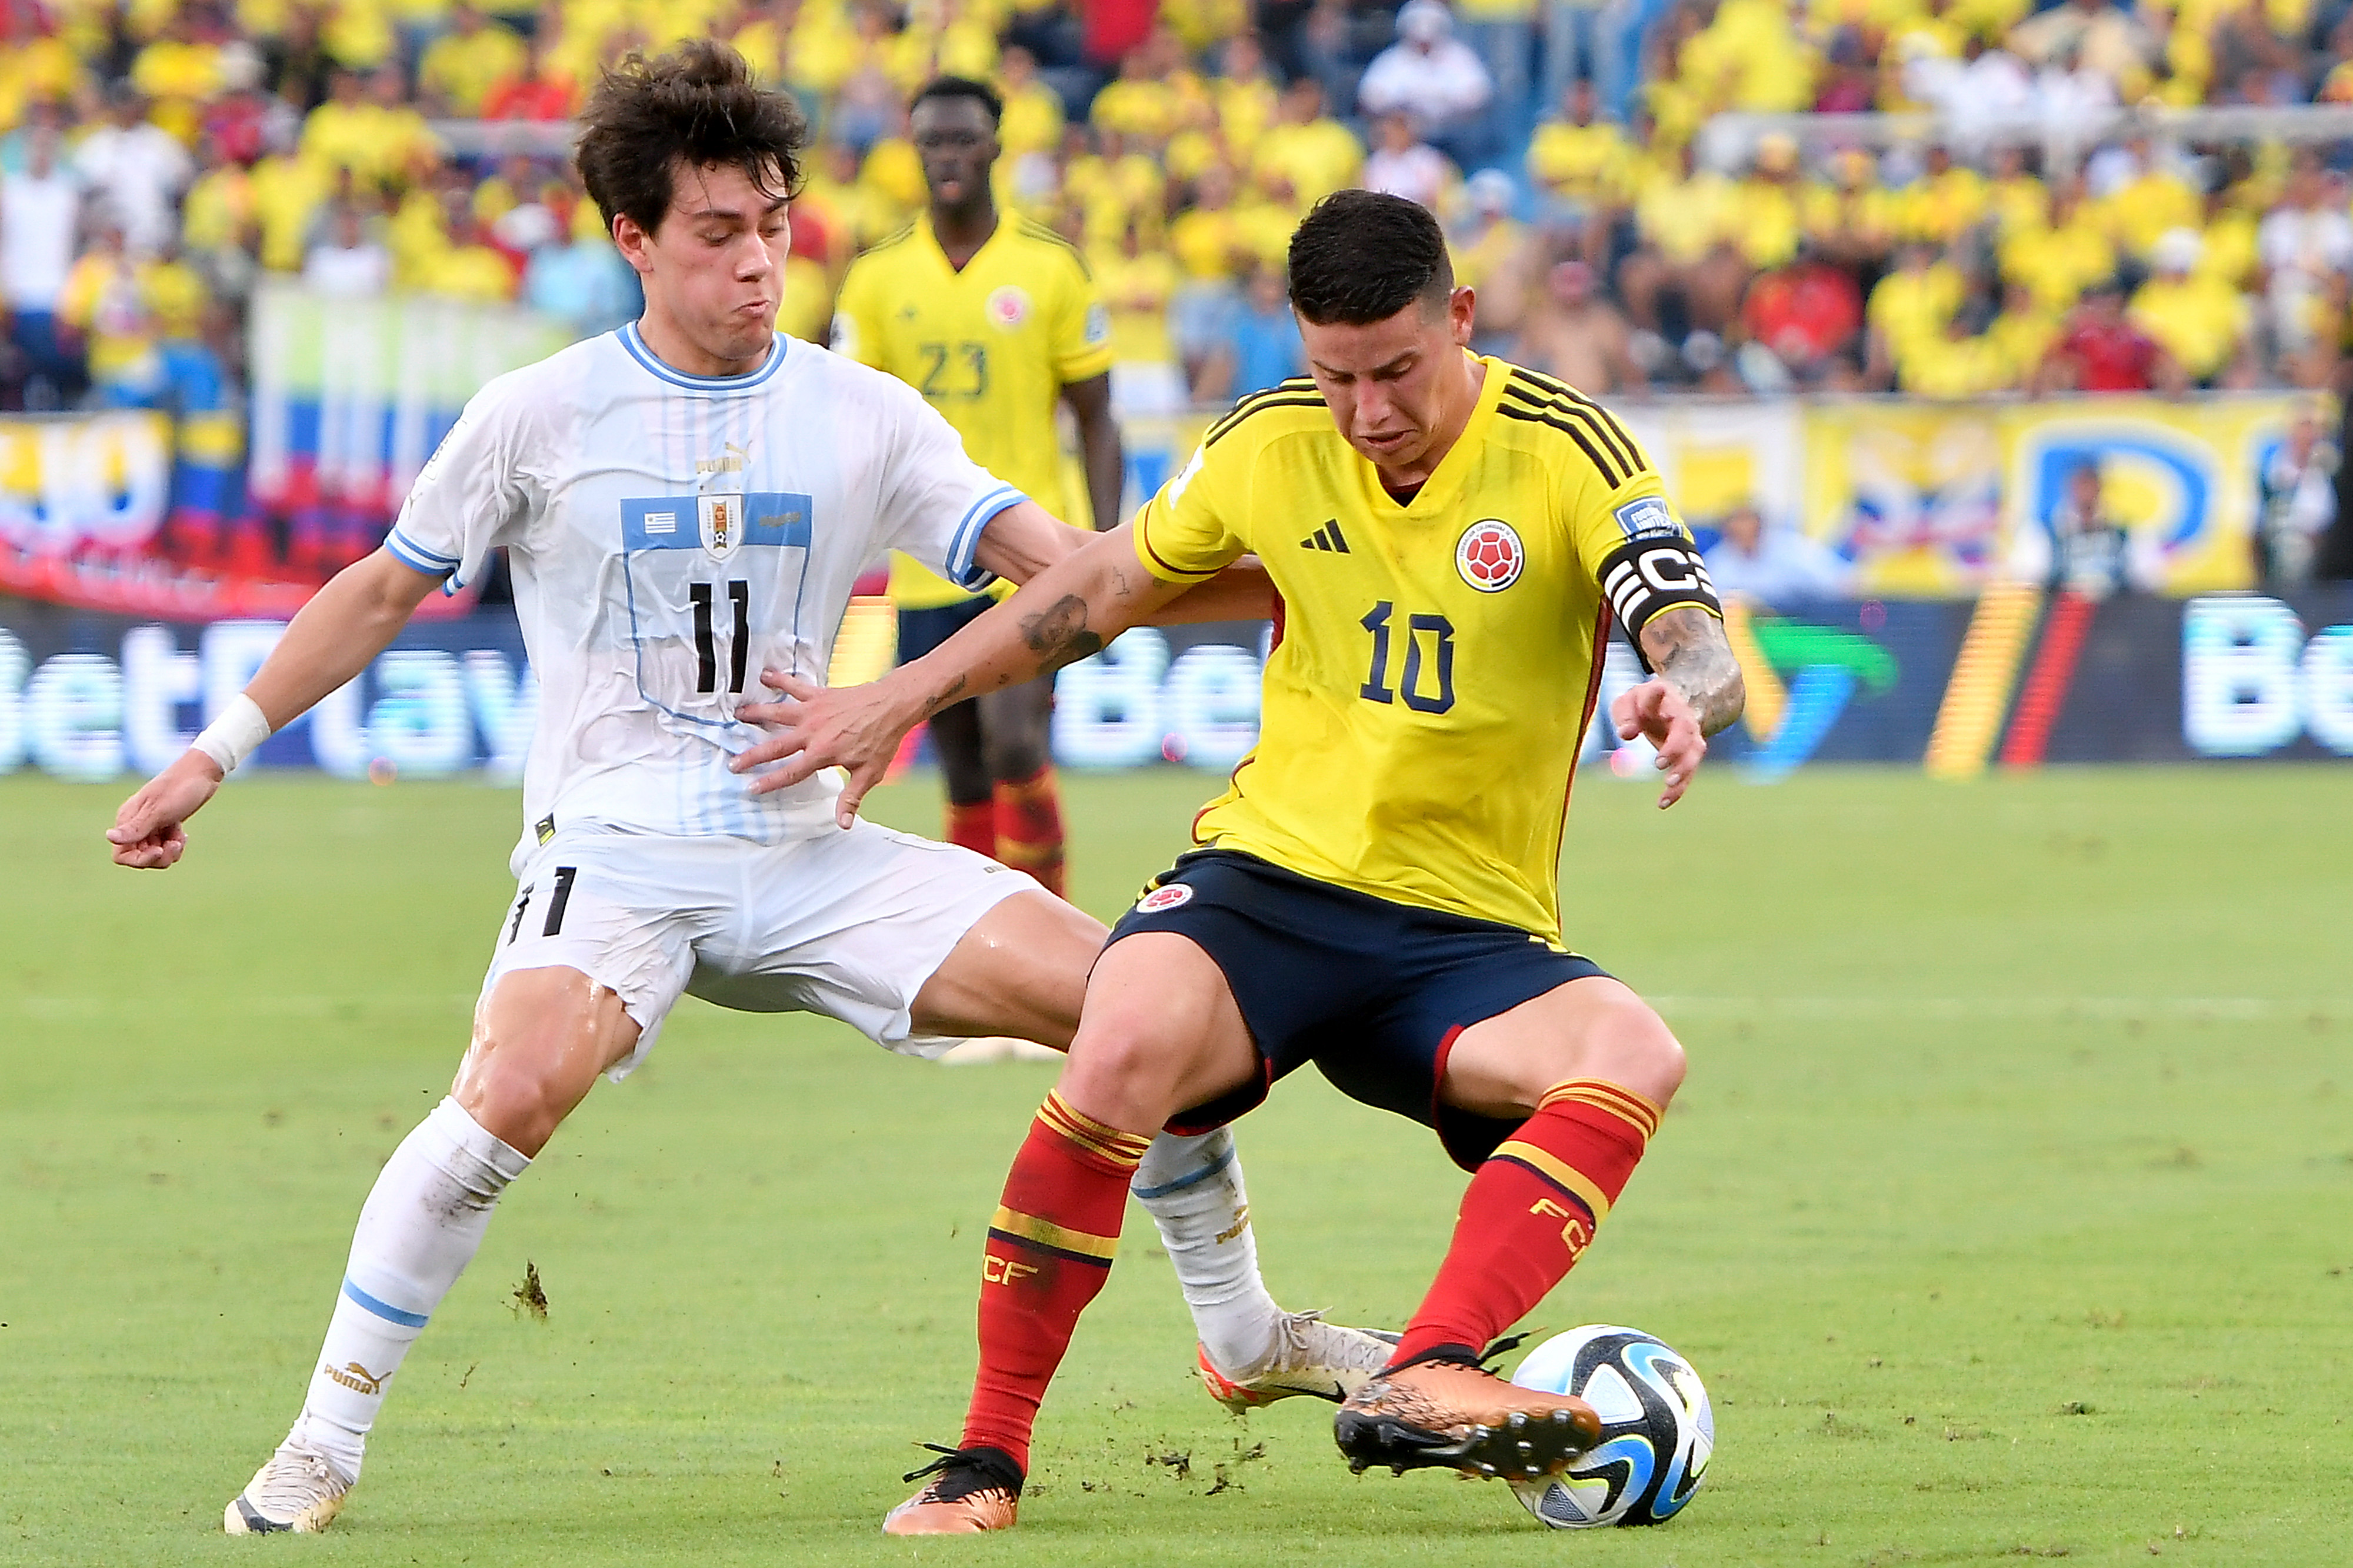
[1633,1047]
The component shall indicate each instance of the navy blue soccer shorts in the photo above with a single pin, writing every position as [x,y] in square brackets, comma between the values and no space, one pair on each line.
[1371,991]
[922,630]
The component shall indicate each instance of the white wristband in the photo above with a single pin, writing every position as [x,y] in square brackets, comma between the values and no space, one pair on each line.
[231,737]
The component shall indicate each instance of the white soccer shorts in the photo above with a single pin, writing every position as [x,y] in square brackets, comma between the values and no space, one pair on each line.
[847,924]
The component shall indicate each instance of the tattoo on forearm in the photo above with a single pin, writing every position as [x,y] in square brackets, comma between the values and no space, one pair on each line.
[1686,647]
[948,698]
[1059,634]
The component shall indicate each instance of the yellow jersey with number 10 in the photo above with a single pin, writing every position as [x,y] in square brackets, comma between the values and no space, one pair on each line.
[991,347]
[1441,657]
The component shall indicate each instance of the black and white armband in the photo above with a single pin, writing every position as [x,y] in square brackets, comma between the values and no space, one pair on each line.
[1644,576]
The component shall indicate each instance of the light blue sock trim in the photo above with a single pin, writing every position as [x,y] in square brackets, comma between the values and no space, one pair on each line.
[1190,1179]
[386,1310]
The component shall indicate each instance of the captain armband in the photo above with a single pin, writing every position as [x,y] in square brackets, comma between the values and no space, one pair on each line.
[1644,576]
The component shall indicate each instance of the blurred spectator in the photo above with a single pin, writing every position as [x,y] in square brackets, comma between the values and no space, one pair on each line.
[1436,79]
[40,216]
[1583,167]
[2103,349]
[347,264]
[2198,317]
[1501,34]
[583,281]
[1261,347]
[1403,166]
[1773,565]
[134,170]
[1311,154]
[1575,336]
[2296,504]
[105,312]
[2082,546]
[2306,250]
[531,89]
[1808,313]
[461,66]
[1584,42]
[1487,244]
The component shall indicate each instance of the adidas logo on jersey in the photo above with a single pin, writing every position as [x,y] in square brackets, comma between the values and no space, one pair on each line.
[1328,537]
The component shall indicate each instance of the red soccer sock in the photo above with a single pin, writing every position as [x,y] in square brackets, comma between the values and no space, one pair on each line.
[974,826]
[1530,1211]
[1050,1250]
[1030,828]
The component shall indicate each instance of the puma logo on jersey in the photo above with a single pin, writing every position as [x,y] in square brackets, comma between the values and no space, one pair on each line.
[1328,537]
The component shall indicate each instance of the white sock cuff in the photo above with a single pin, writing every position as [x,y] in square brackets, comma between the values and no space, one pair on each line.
[486,1162]
[1174,1163]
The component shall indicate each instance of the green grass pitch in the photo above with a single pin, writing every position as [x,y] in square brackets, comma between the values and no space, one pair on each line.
[2005,1213]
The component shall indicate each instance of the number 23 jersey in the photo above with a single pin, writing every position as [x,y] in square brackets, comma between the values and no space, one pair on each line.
[1441,657]
[669,537]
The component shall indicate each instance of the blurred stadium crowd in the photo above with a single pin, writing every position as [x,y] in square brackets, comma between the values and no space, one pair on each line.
[159,157]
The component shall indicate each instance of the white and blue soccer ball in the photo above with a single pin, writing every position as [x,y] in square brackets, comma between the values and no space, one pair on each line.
[1657,1430]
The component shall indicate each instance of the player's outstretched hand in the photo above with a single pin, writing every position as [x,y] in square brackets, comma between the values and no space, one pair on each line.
[1658,711]
[147,834]
[816,727]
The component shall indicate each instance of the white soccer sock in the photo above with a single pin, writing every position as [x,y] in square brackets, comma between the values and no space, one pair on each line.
[1193,1189]
[419,1228]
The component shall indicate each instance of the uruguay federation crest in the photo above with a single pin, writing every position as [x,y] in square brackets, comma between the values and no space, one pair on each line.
[721,518]
[1490,556]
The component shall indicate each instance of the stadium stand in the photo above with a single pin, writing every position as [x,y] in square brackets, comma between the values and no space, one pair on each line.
[1948,198]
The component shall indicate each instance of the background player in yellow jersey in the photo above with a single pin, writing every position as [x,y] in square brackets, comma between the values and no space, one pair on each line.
[1452,538]
[993,318]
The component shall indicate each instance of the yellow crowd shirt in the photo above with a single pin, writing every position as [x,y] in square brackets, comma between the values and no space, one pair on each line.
[991,347]
[1440,658]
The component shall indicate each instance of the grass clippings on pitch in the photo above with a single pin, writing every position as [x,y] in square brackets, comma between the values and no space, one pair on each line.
[2004,1213]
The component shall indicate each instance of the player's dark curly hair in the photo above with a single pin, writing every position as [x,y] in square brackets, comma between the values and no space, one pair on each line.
[980,92]
[1360,256]
[697,104]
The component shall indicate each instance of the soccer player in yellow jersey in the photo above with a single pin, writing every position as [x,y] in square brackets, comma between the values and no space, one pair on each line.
[993,318]
[1452,540]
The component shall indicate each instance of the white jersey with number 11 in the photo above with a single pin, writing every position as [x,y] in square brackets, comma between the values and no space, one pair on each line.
[670,536]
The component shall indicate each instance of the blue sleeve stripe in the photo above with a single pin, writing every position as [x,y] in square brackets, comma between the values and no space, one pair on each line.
[384,1309]
[965,540]
[413,555]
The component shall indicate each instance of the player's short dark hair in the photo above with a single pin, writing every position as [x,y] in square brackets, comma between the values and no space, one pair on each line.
[947,86]
[1360,256]
[697,104]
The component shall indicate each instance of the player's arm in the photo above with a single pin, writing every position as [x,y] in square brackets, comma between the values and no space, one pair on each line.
[1099,448]
[1023,541]
[1696,691]
[1656,585]
[330,640]
[1068,611]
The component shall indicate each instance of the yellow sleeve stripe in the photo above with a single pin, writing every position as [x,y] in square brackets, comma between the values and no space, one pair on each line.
[1151,560]
[1570,405]
[1027,1228]
[1036,230]
[1259,402]
[896,237]
[1555,417]
[1624,444]
[1557,1171]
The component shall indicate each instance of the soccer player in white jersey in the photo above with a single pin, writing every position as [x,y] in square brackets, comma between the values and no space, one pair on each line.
[685,504]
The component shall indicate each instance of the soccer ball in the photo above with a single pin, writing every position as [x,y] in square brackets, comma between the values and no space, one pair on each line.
[1657,1431]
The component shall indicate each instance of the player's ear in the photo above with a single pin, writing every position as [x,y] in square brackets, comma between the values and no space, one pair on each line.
[1461,311]
[630,239]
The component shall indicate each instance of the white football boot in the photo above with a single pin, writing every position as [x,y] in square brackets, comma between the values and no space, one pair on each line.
[1321,1359]
[297,1490]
